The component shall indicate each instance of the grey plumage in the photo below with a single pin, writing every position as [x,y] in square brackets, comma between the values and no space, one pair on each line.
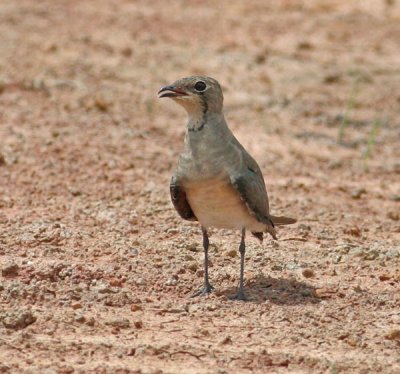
[216,181]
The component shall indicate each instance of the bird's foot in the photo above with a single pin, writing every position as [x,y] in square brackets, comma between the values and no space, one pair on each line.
[206,290]
[239,296]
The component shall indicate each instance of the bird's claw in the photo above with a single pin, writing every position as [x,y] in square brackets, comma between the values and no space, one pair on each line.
[206,290]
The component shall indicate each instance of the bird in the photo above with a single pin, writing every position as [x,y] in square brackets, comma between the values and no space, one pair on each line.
[216,181]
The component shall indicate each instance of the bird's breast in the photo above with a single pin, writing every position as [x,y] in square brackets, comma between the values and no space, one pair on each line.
[217,204]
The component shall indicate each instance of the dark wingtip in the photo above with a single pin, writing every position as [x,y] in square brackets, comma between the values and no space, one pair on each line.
[283,220]
[258,235]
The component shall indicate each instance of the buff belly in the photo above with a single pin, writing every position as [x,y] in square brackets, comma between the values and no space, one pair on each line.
[217,204]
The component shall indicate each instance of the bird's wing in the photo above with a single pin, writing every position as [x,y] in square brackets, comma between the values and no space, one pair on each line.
[249,183]
[178,197]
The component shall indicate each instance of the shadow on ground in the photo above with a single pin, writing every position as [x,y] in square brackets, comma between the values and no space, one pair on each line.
[277,290]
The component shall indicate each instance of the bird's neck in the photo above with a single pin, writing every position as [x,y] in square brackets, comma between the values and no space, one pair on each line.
[197,117]
[197,120]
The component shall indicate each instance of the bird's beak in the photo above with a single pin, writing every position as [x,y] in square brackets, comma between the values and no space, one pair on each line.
[171,91]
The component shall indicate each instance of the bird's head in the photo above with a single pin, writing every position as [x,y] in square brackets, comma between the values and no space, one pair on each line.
[196,94]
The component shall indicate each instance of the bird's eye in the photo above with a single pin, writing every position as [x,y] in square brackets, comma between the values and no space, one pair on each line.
[200,86]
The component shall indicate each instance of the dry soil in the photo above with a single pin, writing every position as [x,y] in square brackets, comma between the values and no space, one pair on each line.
[97,268]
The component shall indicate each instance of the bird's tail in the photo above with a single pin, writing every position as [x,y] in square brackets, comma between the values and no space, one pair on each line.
[280,221]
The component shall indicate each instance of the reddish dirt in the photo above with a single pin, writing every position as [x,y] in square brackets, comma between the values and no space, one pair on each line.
[97,267]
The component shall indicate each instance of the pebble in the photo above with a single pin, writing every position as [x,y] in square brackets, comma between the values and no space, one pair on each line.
[10,270]
[226,340]
[354,231]
[291,265]
[80,319]
[191,247]
[115,282]
[395,216]
[308,273]
[192,266]
[384,277]
[230,253]
[393,334]
[171,282]
[357,193]
[121,323]
[136,307]
[18,320]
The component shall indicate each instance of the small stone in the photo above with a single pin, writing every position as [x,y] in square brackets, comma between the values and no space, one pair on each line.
[358,289]
[337,259]
[393,334]
[357,252]
[304,45]
[371,255]
[308,273]
[192,247]
[226,340]
[127,51]
[192,267]
[18,320]
[304,227]
[171,282]
[332,78]
[80,319]
[230,253]
[392,253]
[76,306]
[291,265]
[91,322]
[138,324]
[352,342]
[306,293]
[115,282]
[104,288]
[120,323]
[5,369]
[354,231]
[10,270]
[357,193]
[131,351]
[384,277]
[102,102]
[136,307]
[395,216]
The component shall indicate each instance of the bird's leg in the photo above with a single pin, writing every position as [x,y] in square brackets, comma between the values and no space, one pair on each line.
[242,249]
[207,286]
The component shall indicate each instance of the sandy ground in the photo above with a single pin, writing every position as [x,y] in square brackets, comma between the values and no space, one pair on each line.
[97,267]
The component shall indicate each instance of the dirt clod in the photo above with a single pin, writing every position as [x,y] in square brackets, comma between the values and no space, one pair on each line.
[308,273]
[17,320]
[231,253]
[393,334]
[10,270]
[136,307]
[121,323]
